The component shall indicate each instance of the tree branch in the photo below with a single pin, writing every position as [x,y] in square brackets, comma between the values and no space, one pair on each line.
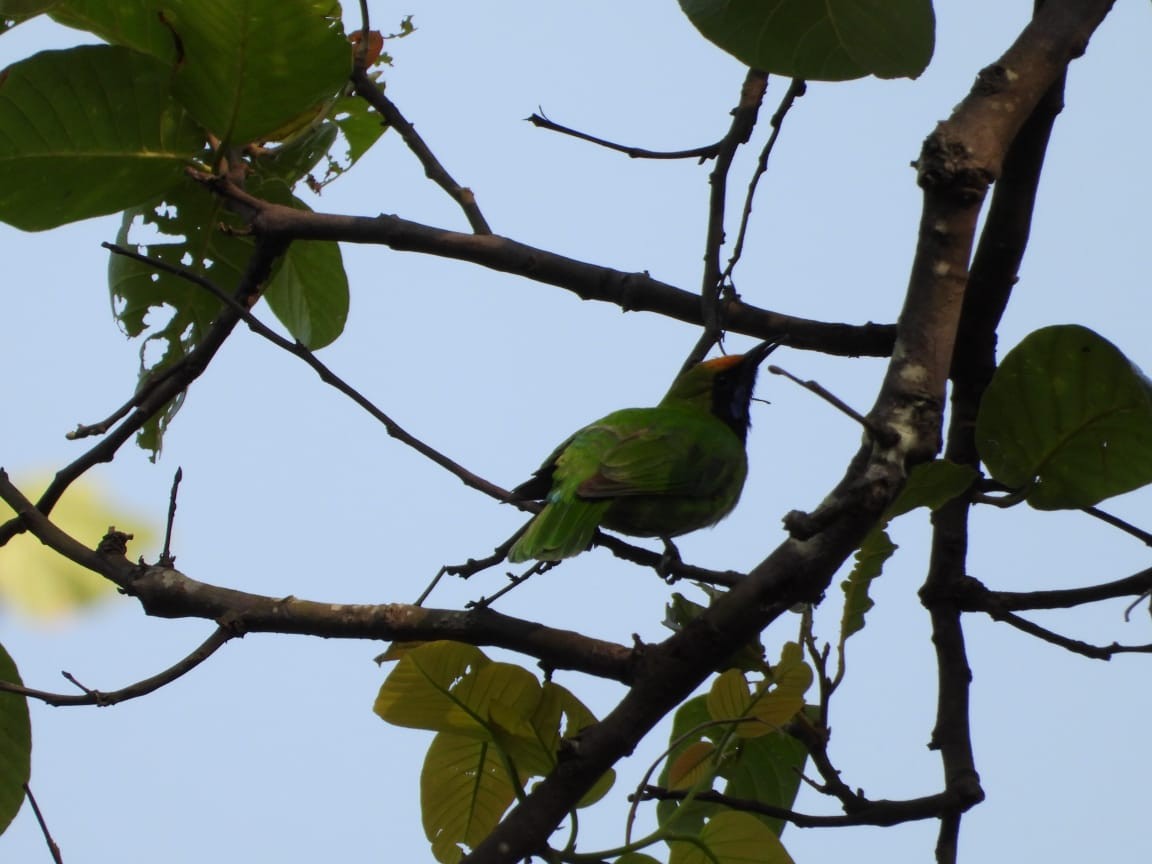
[326,374]
[881,812]
[167,593]
[373,94]
[708,151]
[632,292]
[133,691]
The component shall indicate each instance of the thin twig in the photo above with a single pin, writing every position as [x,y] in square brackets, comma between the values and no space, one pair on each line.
[133,691]
[795,90]
[711,288]
[880,812]
[514,580]
[704,153]
[884,437]
[371,92]
[53,849]
[156,394]
[166,558]
[1096,652]
[326,375]
[1116,522]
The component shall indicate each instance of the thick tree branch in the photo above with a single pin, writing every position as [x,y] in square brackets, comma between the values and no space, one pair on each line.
[632,292]
[993,274]
[167,593]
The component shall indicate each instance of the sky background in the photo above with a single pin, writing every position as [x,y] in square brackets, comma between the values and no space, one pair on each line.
[270,751]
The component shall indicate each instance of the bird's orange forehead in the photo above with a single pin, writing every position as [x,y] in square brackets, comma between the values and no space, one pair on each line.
[725,362]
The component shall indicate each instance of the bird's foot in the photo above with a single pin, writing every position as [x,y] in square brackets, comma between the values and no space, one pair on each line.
[669,562]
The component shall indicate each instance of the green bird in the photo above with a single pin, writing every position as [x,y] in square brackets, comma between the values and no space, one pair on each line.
[647,472]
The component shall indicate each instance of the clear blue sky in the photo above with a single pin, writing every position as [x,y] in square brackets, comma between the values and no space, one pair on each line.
[270,751]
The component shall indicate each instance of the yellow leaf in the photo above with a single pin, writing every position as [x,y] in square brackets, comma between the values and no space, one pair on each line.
[42,584]
[692,765]
[731,838]
[464,790]
[418,692]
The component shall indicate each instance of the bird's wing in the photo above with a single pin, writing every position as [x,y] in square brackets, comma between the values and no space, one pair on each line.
[682,457]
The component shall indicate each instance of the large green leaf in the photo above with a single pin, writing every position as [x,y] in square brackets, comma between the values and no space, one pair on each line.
[15,744]
[418,692]
[731,838]
[251,66]
[768,770]
[821,40]
[464,790]
[309,292]
[1067,418]
[136,24]
[85,132]
[20,9]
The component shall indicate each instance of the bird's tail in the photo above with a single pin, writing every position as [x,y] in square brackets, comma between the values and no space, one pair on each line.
[562,529]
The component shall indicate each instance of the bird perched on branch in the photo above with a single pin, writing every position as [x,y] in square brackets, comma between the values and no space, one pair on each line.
[647,472]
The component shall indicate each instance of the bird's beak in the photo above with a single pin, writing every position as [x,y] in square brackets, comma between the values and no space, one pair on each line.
[754,357]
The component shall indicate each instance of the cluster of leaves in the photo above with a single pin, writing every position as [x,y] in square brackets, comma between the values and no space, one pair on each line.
[99,129]
[496,727]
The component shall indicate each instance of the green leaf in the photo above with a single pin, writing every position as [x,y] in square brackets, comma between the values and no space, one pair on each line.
[174,312]
[136,24]
[931,485]
[88,131]
[293,160]
[24,8]
[636,858]
[252,66]
[418,694]
[1068,418]
[695,763]
[688,728]
[767,770]
[15,744]
[464,790]
[557,712]
[731,838]
[360,125]
[309,292]
[833,40]
[730,697]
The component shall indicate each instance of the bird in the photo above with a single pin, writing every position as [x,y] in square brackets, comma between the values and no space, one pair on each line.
[647,472]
